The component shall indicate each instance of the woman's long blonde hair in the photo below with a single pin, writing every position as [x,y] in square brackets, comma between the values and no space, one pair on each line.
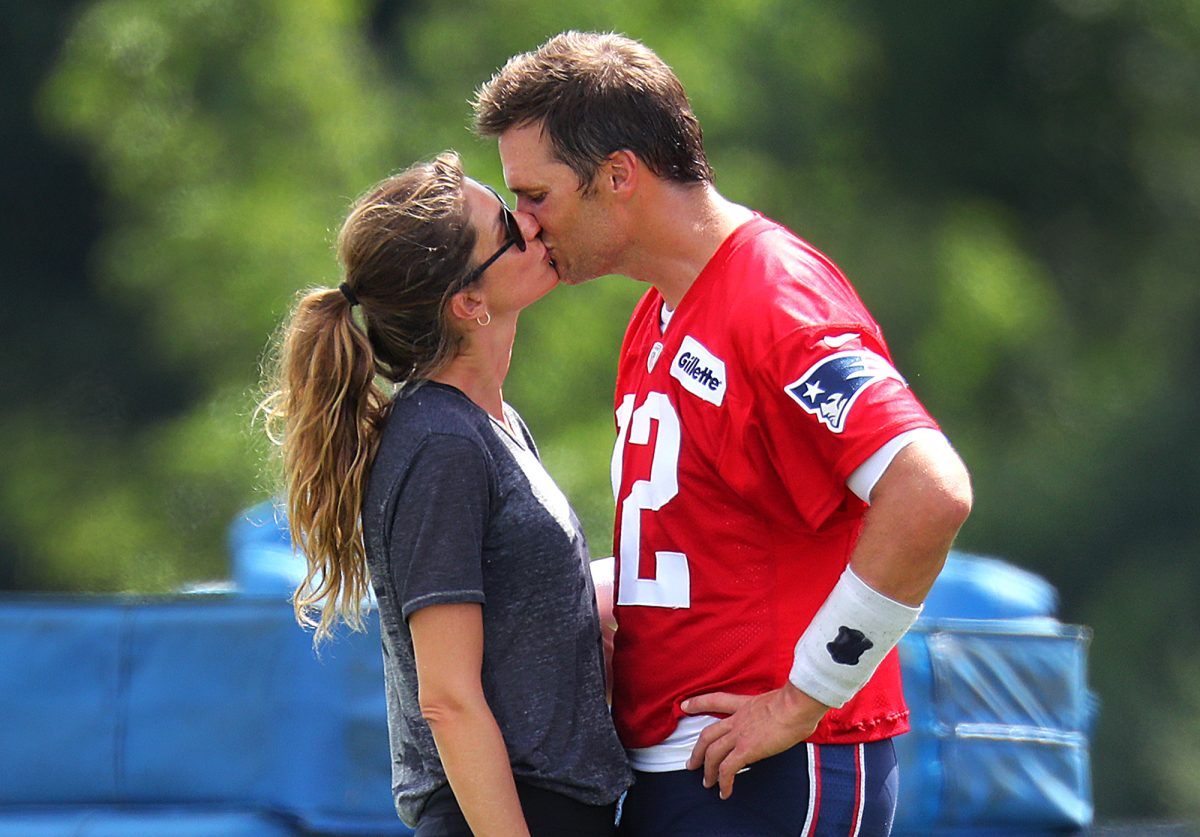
[403,248]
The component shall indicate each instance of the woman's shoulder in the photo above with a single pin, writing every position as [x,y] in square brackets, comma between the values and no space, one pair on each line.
[432,409]
[432,414]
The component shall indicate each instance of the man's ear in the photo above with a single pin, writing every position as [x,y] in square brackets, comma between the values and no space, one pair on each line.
[621,172]
[467,305]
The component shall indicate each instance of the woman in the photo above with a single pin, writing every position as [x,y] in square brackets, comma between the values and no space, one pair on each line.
[437,499]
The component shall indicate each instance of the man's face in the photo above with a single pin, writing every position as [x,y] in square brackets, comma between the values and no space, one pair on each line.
[579,231]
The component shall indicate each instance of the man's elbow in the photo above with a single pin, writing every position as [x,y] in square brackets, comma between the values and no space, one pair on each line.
[955,497]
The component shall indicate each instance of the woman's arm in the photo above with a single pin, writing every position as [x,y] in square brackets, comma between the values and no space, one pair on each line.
[448,644]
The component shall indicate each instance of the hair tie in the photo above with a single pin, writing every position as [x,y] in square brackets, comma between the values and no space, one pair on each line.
[349,294]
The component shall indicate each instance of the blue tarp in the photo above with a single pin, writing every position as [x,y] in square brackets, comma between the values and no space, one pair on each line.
[205,701]
[1000,721]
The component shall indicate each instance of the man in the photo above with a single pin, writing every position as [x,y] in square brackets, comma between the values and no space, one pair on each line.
[784,503]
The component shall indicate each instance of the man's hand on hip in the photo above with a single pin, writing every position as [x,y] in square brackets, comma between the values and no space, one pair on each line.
[758,726]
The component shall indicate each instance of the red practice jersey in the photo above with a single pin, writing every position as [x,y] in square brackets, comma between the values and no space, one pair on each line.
[737,430]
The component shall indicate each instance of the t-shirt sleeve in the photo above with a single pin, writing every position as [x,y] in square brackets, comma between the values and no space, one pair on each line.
[830,399]
[438,529]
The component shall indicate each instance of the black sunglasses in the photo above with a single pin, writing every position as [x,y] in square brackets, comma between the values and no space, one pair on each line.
[514,238]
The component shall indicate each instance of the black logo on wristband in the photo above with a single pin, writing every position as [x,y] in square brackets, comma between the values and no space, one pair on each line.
[849,646]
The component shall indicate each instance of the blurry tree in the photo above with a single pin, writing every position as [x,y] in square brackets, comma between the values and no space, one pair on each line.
[1013,186]
[227,137]
[48,307]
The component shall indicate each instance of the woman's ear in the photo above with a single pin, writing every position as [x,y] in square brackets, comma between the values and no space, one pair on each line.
[467,305]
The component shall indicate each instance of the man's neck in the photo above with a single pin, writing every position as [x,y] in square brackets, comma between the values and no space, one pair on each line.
[684,226]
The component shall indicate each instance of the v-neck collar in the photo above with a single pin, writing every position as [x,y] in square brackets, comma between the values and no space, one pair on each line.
[508,428]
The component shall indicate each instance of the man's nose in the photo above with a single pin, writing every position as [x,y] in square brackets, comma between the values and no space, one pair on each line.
[528,223]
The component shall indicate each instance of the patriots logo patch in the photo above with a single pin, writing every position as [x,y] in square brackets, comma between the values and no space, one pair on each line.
[831,386]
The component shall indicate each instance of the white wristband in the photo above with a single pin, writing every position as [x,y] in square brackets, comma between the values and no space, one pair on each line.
[847,640]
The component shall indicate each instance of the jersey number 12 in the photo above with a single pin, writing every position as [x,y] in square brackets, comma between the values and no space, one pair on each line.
[671,585]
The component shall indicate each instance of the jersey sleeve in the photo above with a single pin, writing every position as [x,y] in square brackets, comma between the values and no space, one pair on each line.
[829,399]
[439,524]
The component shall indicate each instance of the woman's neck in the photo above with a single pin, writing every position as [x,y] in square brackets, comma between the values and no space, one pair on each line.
[480,367]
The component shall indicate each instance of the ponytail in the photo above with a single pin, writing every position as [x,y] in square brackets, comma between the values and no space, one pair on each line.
[404,248]
[325,413]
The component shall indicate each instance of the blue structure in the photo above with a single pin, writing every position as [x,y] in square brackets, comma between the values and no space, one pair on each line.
[198,714]
[208,713]
[1001,711]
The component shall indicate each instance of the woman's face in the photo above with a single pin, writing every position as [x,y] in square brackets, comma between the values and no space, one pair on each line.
[515,279]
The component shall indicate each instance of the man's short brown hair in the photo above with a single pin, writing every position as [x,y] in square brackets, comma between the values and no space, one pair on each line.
[595,94]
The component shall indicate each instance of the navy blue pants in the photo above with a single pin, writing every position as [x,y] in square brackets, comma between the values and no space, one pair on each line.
[811,790]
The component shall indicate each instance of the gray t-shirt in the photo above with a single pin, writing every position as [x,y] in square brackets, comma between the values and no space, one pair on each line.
[457,510]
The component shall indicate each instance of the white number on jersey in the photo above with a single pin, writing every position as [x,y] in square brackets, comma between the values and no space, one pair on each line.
[671,585]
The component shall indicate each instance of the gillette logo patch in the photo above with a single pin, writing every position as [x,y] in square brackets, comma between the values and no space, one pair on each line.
[700,371]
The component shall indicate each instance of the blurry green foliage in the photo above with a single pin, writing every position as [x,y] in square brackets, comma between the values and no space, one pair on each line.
[1013,186]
